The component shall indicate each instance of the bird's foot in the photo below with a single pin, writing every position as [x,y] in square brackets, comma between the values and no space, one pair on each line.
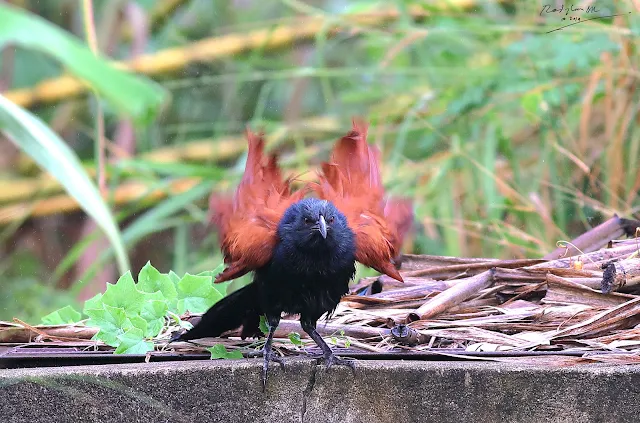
[331,359]
[269,355]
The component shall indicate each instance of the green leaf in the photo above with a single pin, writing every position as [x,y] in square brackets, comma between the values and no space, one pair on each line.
[220,287]
[264,327]
[125,295]
[123,308]
[33,137]
[212,273]
[137,97]
[219,351]
[94,303]
[174,277]
[294,337]
[196,294]
[136,322]
[153,312]
[133,342]
[151,280]
[62,316]
[110,321]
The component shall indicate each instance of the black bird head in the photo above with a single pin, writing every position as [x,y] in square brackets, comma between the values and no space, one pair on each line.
[313,224]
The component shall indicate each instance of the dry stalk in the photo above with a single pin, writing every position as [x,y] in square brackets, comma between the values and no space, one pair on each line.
[464,289]
[620,273]
[596,238]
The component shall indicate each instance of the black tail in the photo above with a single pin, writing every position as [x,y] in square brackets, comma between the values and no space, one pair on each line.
[239,308]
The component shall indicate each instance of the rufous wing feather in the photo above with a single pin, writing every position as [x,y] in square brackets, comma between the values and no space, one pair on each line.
[247,222]
[352,181]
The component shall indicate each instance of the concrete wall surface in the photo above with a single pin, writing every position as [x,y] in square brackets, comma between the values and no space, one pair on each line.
[382,391]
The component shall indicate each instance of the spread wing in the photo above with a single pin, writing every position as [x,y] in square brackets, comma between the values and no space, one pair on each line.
[351,181]
[247,221]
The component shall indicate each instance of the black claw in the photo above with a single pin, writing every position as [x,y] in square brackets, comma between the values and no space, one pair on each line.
[269,355]
[331,360]
[316,356]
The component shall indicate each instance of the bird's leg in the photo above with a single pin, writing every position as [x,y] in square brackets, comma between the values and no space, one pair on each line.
[329,358]
[267,351]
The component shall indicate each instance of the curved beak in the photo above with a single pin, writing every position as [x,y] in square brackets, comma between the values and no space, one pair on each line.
[322,227]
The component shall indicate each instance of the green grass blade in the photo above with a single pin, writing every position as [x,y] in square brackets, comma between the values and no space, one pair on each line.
[139,98]
[155,220]
[38,141]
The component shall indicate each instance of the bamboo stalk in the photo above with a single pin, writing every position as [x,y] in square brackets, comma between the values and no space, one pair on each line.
[596,238]
[561,290]
[620,273]
[411,262]
[469,268]
[406,293]
[124,194]
[625,248]
[408,336]
[464,289]
[24,332]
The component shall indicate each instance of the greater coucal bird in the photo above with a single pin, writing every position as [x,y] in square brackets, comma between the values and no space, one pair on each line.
[302,250]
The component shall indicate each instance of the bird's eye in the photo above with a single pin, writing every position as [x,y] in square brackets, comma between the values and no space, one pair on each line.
[331,219]
[307,220]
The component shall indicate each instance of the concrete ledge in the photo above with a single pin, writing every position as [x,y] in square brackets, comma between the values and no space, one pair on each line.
[382,391]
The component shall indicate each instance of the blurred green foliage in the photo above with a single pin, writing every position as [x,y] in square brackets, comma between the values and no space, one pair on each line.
[24,295]
[128,94]
[508,138]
